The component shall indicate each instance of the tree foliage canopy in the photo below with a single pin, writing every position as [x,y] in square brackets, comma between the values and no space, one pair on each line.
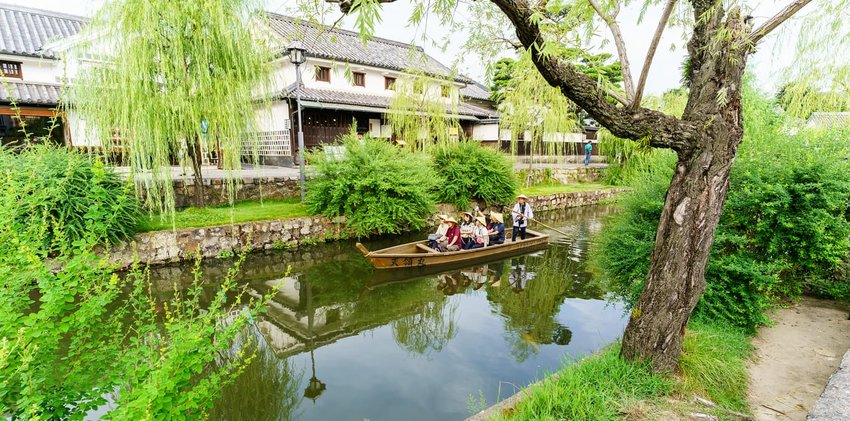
[160,77]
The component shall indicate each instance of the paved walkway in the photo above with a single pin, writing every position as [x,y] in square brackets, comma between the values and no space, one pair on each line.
[213,173]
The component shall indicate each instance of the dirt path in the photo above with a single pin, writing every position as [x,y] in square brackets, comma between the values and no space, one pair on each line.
[794,358]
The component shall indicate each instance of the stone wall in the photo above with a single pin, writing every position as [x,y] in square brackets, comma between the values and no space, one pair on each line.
[169,246]
[186,244]
[571,200]
[215,190]
[561,175]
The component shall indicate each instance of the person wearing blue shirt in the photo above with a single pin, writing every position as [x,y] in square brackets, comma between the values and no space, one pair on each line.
[496,229]
[588,148]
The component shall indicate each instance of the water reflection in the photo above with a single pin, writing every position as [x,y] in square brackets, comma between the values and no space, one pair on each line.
[357,344]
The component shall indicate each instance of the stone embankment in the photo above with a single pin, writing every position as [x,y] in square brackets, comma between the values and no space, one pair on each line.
[834,403]
[216,190]
[169,246]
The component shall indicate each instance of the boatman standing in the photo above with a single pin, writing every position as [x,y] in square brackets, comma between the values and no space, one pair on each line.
[521,214]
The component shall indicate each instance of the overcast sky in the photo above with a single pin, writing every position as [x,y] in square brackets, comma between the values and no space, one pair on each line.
[766,63]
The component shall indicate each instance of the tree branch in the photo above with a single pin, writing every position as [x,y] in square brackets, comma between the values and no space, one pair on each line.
[610,20]
[777,20]
[663,131]
[650,54]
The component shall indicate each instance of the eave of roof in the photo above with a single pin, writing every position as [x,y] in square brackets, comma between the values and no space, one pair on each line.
[375,101]
[30,93]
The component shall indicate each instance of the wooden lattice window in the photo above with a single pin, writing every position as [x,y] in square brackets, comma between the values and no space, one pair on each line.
[11,69]
[359,79]
[323,74]
[445,91]
[389,83]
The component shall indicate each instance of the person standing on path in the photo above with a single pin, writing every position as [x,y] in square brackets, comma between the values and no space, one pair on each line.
[588,148]
[521,214]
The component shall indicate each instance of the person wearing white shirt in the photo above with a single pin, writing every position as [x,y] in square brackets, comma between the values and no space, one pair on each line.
[521,214]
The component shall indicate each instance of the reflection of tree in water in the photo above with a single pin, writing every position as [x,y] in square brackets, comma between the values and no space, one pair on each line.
[427,330]
[267,389]
[530,293]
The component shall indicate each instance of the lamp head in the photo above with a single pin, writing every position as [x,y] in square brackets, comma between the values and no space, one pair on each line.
[297,53]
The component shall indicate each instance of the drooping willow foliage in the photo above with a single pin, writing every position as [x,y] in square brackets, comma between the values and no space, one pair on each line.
[160,78]
[424,110]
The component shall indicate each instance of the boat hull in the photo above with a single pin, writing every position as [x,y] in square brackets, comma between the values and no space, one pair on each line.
[418,255]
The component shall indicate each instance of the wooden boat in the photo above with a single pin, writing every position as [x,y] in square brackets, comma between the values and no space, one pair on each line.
[418,255]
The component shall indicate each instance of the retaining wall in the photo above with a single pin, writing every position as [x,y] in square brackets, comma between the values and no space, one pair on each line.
[169,246]
[560,174]
[215,190]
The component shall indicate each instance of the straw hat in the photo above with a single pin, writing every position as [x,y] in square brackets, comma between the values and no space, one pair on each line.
[496,216]
[442,217]
[481,220]
[467,213]
[522,196]
[450,219]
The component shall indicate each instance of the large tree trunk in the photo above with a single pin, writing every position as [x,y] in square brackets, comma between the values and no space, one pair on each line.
[194,149]
[695,198]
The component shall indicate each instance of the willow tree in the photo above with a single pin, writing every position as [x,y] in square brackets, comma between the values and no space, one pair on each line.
[705,138]
[424,109]
[167,79]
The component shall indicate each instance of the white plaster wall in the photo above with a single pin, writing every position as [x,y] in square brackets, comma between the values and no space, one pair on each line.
[80,131]
[273,118]
[485,132]
[37,69]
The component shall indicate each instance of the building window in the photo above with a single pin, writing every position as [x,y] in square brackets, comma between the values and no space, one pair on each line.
[417,87]
[445,91]
[389,83]
[323,74]
[11,69]
[359,79]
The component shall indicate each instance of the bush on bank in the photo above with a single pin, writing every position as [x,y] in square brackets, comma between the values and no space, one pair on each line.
[469,171]
[66,194]
[784,227]
[378,187]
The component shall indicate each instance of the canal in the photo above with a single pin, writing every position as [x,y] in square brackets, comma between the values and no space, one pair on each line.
[342,342]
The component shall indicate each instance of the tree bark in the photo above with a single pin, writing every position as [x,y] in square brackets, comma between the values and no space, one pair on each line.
[694,202]
[194,150]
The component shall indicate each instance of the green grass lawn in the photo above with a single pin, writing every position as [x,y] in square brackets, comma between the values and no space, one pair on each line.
[555,187]
[247,211]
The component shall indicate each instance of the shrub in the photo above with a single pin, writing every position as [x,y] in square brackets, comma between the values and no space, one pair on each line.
[65,194]
[470,171]
[784,226]
[380,188]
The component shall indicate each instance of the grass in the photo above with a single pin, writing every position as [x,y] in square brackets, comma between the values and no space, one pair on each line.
[247,211]
[605,387]
[555,187]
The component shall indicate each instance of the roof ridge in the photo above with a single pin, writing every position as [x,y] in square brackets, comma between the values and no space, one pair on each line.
[343,31]
[42,12]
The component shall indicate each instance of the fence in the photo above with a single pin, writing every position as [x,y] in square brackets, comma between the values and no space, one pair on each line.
[268,143]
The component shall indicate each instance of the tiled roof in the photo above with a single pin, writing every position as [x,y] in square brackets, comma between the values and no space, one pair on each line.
[828,119]
[27,93]
[351,98]
[23,31]
[477,91]
[347,46]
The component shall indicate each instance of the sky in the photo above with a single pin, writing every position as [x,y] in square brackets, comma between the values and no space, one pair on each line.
[767,63]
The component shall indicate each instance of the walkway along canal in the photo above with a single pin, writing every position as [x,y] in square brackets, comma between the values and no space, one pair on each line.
[338,342]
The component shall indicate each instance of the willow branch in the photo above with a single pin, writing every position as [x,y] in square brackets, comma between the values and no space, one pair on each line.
[650,54]
[663,131]
[610,20]
[776,20]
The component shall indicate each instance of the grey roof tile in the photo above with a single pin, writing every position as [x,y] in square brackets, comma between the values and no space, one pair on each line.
[346,46]
[477,91]
[351,98]
[28,93]
[24,31]
[829,119]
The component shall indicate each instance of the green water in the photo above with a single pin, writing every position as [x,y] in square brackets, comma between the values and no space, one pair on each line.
[340,342]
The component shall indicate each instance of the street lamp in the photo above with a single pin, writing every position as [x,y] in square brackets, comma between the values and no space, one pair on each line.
[297,55]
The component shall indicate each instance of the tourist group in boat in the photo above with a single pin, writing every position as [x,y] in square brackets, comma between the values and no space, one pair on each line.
[481,229]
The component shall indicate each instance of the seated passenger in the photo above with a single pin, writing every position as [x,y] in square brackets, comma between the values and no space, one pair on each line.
[496,229]
[434,240]
[467,225]
[479,235]
[452,236]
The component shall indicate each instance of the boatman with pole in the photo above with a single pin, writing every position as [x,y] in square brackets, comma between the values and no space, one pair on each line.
[521,213]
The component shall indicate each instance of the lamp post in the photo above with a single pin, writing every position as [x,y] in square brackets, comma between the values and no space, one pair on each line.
[297,55]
